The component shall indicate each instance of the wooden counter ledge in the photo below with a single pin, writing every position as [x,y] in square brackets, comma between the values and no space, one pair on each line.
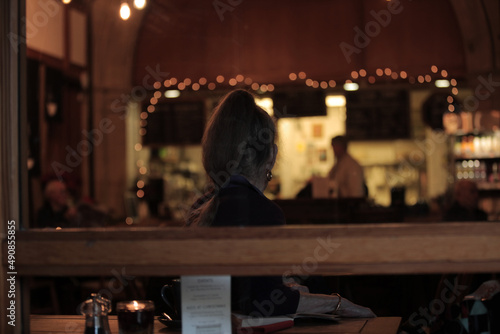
[319,249]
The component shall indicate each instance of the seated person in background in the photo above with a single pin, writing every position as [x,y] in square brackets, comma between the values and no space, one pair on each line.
[56,212]
[62,209]
[239,152]
[465,203]
[347,172]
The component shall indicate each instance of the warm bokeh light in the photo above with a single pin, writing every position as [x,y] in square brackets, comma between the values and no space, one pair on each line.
[442,83]
[449,99]
[66,2]
[144,115]
[143,170]
[129,220]
[394,75]
[428,78]
[371,79]
[220,79]
[140,193]
[335,101]
[354,75]
[421,79]
[140,184]
[240,78]
[454,91]
[166,83]
[292,76]
[202,81]
[362,73]
[332,83]
[139,4]
[248,81]
[434,69]
[138,147]
[323,84]
[181,86]
[302,75]
[387,71]
[211,86]
[351,86]
[265,103]
[187,81]
[142,132]
[255,86]
[172,94]
[124,11]
[153,100]
[379,72]
[151,109]
[232,82]
[173,81]
[270,87]
[195,86]
[451,108]
[315,84]
[309,82]
[263,88]
[140,163]
[403,75]
[157,94]
[444,73]
[157,85]
[453,82]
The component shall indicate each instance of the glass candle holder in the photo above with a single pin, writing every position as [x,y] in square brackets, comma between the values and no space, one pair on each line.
[135,316]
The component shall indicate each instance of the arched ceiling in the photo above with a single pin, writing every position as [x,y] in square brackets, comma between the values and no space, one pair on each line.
[268,40]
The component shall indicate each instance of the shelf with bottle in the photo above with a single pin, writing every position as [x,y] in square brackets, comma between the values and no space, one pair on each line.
[477,145]
[485,172]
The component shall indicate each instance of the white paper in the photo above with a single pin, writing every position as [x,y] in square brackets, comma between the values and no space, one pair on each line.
[206,304]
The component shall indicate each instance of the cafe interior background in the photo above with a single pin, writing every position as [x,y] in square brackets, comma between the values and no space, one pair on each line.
[118,105]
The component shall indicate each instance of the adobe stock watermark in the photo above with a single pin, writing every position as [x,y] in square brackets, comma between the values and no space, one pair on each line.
[75,155]
[31,27]
[424,317]
[372,29]
[222,6]
[416,158]
[483,91]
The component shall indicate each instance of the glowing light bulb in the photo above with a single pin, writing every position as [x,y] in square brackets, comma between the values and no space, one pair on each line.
[139,4]
[124,11]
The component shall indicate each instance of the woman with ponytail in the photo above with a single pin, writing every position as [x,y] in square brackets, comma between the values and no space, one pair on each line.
[239,152]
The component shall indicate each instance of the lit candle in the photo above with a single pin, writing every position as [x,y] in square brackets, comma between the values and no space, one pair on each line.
[135,316]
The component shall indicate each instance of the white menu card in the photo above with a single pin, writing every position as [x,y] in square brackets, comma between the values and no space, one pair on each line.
[206,304]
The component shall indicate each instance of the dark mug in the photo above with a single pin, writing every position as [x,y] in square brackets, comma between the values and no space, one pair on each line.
[171,294]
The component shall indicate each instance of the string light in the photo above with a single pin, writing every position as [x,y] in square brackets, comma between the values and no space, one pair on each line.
[388,73]
[350,84]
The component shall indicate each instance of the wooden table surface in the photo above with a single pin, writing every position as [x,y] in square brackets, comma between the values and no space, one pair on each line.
[43,324]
